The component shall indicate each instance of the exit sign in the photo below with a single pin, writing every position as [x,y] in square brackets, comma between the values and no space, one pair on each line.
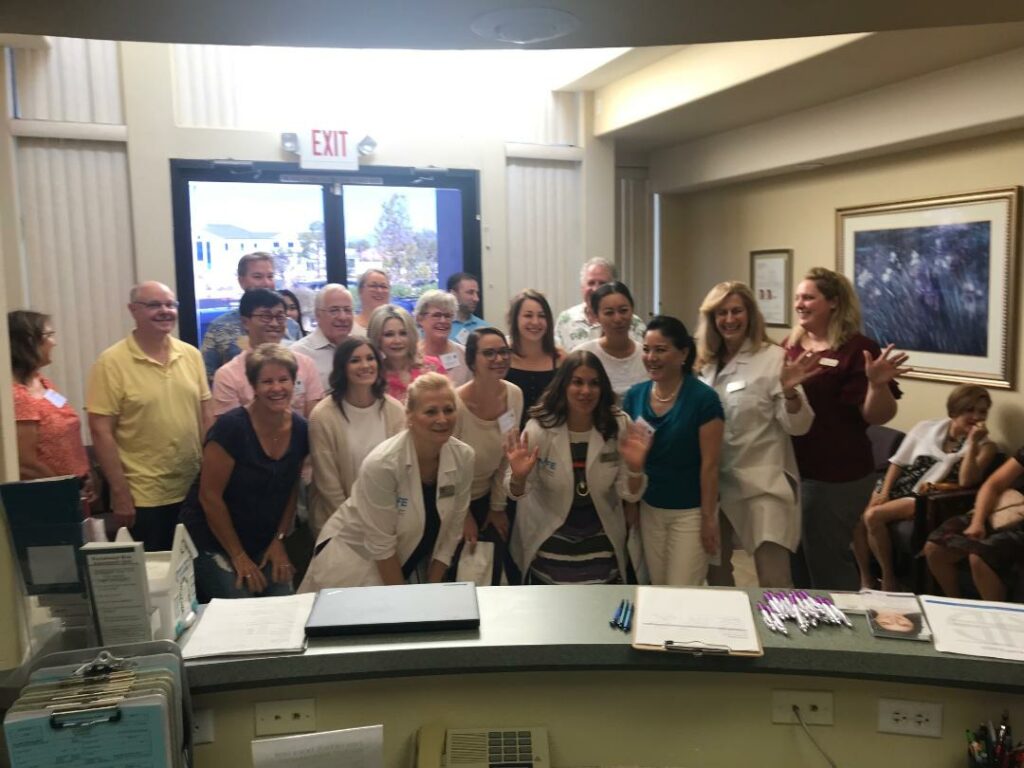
[333,148]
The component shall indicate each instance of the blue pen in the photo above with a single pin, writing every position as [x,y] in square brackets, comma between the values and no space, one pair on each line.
[627,619]
[614,623]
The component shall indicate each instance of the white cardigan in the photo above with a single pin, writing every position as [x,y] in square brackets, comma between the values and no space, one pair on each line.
[385,514]
[329,436]
[547,498]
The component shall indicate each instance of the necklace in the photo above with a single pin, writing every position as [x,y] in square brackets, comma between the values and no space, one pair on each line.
[660,399]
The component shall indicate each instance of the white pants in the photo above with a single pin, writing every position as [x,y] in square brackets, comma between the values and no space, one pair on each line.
[672,545]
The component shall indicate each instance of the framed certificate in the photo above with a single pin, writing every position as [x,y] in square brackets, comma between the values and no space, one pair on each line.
[771,279]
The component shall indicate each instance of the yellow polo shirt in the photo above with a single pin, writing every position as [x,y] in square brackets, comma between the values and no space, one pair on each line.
[158,416]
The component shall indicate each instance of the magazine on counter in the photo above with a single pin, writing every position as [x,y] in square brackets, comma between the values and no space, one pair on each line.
[895,615]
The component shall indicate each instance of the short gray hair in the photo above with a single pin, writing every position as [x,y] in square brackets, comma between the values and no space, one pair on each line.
[435,298]
[597,261]
[318,302]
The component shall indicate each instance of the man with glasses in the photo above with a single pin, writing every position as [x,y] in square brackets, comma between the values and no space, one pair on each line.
[466,290]
[334,313]
[225,337]
[263,318]
[149,408]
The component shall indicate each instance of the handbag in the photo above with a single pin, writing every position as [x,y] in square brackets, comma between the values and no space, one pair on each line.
[1009,511]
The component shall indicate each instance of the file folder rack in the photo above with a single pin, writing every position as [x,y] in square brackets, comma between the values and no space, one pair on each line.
[123,704]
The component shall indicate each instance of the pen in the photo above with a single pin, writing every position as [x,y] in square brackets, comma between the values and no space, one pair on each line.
[627,618]
[614,623]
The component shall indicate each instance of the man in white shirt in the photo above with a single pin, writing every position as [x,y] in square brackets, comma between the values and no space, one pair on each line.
[334,315]
[579,324]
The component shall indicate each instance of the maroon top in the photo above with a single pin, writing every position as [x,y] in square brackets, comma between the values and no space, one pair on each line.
[837,449]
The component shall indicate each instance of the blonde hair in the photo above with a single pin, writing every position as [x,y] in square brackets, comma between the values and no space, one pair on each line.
[375,330]
[709,340]
[844,322]
[266,354]
[428,382]
[966,397]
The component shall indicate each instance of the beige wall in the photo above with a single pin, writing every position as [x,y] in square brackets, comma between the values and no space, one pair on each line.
[624,718]
[708,236]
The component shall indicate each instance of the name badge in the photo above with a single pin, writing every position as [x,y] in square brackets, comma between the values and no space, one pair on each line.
[735,386]
[446,491]
[299,389]
[645,426]
[828,362]
[547,464]
[401,502]
[56,398]
[462,335]
[450,360]
[608,458]
[507,422]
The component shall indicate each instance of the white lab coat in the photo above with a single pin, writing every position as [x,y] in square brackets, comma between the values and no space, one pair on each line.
[385,515]
[759,486]
[545,503]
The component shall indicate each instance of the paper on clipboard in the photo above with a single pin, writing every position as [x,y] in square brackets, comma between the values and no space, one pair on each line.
[695,620]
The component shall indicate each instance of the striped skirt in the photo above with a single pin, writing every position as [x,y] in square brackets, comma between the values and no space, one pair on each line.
[577,553]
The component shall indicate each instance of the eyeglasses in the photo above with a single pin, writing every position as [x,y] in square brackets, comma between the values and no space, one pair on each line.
[270,317]
[154,305]
[440,315]
[502,352]
[336,311]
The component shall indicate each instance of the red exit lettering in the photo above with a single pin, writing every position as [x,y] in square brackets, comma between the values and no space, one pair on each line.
[329,143]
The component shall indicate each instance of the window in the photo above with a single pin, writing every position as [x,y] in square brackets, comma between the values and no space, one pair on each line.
[320,227]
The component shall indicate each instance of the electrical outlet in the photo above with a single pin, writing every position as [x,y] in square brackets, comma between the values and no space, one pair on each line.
[910,718]
[276,717]
[815,707]
[202,726]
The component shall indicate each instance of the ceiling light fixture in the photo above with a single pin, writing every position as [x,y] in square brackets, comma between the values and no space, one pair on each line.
[523,26]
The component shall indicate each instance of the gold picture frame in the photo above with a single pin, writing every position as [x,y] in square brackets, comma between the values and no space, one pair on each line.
[771,280]
[937,278]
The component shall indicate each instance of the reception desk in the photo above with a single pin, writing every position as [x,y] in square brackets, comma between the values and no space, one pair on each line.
[547,656]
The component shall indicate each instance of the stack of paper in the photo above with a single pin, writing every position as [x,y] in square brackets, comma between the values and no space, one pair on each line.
[976,627]
[251,626]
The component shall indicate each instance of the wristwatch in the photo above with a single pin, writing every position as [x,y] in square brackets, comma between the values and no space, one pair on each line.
[280,536]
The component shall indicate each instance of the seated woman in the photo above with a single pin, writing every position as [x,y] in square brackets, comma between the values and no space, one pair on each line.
[577,461]
[393,332]
[243,503]
[991,548]
[435,311]
[344,427]
[48,429]
[951,450]
[489,413]
[404,518]
[679,513]
[622,358]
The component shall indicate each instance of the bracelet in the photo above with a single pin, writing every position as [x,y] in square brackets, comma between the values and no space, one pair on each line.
[632,475]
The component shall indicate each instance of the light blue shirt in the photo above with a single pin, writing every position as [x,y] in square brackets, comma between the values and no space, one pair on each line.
[460,330]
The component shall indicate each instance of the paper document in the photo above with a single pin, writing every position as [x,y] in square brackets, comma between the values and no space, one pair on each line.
[698,619]
[251,625]
[352,748]
[976,627]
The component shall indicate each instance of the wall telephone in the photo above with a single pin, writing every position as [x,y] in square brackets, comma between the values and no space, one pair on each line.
[504,747]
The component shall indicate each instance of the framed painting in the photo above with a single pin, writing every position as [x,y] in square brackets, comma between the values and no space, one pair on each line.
[937,278]
[771,280]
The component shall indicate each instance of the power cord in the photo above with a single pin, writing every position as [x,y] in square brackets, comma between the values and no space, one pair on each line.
[800,719]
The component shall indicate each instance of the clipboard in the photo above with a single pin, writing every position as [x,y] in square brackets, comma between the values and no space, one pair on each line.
[695,620]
